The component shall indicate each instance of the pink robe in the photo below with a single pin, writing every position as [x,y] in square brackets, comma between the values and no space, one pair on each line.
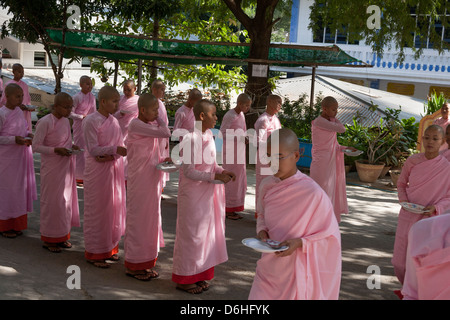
[327,165]
[443,123]
[184,119]
[83,105]
[200,232]
[58,199]
[264,126]
[104,187]
[428,260]
[164,148]
[18,184]
[424,182]
[235,149]
[26,100]
[446,154]
[128,105]
[298,208]
[143,233]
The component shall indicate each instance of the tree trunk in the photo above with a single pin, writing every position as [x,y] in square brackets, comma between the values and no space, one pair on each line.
[154,67]
[259,30]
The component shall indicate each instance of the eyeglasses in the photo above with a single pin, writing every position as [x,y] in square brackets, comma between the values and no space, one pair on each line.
[275,158]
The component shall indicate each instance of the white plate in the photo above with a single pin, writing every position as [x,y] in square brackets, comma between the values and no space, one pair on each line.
[168,167]
[217,181]
[412,207]
[352,153]
[261,246]
[126,111]
[72,151]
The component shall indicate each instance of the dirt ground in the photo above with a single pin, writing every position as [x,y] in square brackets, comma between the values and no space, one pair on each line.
[28,272]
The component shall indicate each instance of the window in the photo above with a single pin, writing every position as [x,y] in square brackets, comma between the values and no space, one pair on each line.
[39,59]
[325,35]
[424,21]
[85,62]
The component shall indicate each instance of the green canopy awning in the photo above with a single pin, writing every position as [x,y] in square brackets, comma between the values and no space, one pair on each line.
[129,47]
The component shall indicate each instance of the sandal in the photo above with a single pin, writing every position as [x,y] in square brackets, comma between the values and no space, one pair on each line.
[9,234]
[192,290]
[99,263]
[143,276]
[65,244]
[114,258]
[233,216]
[203,284]
[52,247]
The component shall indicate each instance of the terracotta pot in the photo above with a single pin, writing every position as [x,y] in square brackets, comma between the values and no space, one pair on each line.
[394,176]
[368,172]
[384,171]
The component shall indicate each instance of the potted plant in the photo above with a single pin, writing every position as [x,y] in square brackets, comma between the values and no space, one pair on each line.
[297,115]
[381,140]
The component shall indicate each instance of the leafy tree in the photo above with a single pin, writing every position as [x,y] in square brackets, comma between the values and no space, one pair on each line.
[259,24]
[32,17]
[404,24]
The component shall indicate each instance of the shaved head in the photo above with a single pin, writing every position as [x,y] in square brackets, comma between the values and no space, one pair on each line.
[204,106]
[146,100]
[107,92]
[435,127]
[285,138]
[11,88]
[195,94]
[61,98]
[329,102]
[84,79]
[129,83]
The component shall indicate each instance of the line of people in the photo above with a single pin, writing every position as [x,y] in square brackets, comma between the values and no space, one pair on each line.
[128,136]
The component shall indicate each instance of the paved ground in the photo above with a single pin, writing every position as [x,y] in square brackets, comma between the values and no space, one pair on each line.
[27,271]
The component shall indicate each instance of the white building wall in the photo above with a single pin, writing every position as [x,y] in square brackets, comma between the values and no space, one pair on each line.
[414,77]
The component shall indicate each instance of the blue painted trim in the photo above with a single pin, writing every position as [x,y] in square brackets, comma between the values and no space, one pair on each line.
[293,32]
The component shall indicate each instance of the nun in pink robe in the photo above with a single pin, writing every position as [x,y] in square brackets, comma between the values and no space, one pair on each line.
[446,154]
[443,123]
[424,182]
[164,142]
[200,231]
[83,105]
[234,148]
[18,184]
[26,101]
[327,165]
[143,234]
[264,126]
[58,198]
[428,260]
[128,110]
[184,119]
[104,187]
[297,207]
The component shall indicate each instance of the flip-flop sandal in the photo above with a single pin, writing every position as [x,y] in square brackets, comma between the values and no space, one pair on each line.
[114,258]
[11,234]
[145,276]
[52,248]
[233,216]
[203,284]
[65,244]
[153,274]
[194,290]
[99,263]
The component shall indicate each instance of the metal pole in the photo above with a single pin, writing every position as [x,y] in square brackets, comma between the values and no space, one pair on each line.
[313,80]
[139,77]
